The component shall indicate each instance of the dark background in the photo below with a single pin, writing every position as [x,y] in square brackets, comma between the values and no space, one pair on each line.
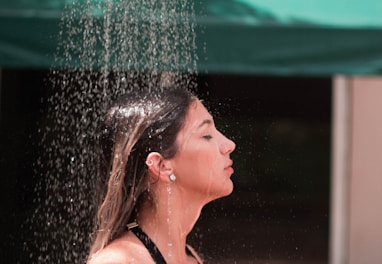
[279,210]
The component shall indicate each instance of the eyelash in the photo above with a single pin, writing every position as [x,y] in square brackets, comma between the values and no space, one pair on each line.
[208,137]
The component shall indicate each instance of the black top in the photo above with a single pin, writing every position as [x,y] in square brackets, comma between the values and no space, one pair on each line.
[151,247]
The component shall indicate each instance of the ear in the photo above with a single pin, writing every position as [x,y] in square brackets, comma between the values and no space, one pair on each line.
[158,167]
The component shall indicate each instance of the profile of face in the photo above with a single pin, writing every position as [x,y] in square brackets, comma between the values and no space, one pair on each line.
[202,163]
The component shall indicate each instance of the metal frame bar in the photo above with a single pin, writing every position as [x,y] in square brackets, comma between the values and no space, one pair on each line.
[341,136]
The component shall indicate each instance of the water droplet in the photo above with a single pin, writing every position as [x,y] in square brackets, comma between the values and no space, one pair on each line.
[81,96]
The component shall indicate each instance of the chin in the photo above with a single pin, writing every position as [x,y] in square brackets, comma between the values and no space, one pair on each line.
[224,191]
[229,190]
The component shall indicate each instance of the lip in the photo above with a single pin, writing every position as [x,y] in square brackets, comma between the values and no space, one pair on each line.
[229,164]
[228,167]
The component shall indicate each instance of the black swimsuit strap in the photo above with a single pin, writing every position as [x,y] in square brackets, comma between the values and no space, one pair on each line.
[151,247]
[149,244]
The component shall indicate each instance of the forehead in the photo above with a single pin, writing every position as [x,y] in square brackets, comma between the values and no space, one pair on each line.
[196,114]
[196,119]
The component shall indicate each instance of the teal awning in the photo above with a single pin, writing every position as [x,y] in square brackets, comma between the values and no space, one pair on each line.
[299,37]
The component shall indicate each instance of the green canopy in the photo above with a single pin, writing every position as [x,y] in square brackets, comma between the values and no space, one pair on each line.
[289,37]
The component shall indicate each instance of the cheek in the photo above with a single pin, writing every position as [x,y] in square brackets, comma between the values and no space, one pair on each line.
[198,164]
[206,160]
[210,173]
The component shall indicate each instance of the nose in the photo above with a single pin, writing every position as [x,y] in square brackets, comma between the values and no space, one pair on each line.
[228,146]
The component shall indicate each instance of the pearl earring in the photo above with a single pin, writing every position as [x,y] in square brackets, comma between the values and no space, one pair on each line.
[172,177]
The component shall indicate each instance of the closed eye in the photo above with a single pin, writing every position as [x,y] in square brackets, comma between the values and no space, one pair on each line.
[208,137]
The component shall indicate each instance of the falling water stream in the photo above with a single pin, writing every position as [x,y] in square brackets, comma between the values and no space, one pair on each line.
[106,48]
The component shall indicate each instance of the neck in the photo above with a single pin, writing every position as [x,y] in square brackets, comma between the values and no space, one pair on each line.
[170,220]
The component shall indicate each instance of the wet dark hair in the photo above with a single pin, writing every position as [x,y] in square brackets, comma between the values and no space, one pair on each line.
[137,124]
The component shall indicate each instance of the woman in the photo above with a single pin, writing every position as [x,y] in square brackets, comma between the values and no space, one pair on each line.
[162,160]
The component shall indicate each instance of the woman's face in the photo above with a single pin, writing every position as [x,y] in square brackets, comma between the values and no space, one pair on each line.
[202,164]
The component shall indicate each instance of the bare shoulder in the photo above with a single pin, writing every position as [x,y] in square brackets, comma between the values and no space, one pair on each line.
[124,250]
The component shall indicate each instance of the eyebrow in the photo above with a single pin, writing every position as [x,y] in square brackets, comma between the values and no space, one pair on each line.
[205,122]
